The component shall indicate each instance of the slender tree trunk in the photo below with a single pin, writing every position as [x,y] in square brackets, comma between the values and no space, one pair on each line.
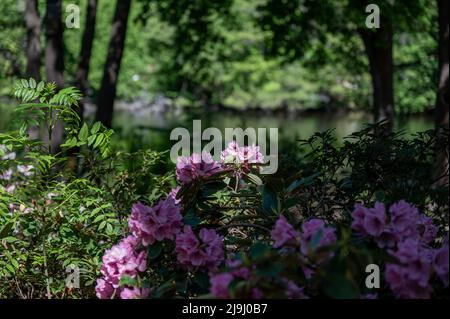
[378,46]
[54,57]
[107,94]
[33,24]
[442,106]
[86,51]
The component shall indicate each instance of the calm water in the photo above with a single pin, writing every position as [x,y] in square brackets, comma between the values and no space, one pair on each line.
[139,129]
[154,130]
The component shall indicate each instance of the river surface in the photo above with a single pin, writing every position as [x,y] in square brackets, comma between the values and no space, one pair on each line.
[141,128]
[153,130]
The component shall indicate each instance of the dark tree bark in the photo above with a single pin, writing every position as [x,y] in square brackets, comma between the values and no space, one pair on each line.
[107,94]
[33,24]
[54,50]
[54,57]
[442,107]
[86,51]
[378,46]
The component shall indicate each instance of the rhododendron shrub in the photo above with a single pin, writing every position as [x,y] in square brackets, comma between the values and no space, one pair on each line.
[226,231]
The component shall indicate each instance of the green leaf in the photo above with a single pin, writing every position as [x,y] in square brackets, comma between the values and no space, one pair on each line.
[40,86]
[255,179]
[339,287]
[302,182]
[84,132]
[32,83]
[270,200]
[272,268]
[5,231]
[155,250]
[127,281]
[99,140]
[96,127]
[258,250]
[91,139]
[380,196]
[191,220]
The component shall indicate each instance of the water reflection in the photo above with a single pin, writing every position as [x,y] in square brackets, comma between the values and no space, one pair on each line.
[154,130]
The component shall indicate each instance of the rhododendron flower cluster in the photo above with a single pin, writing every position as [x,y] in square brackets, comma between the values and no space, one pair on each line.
[440,262]
[313,235]
[220,283]
[405,222]
[157,223]
[147,225]
[411,278]
[284,234]
[195,167]
[204,252]
[122,259]
[243,156]
[406,233]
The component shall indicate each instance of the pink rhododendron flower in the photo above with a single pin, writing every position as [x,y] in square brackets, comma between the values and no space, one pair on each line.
[428,231]
[410,279]
[245,154]
[440,263]
[405,222]
[407,235]
[358,214]
[206,252]
[219,285]
[122,259]
[293,291]
[375,220]
[173,194]
[369,221]
[156,223]
[103,289]
[195,167]
[238,270]
[242,156]
[313,228]
[283,233]
[404,218]
[134,293]
[403,286]
[387,238]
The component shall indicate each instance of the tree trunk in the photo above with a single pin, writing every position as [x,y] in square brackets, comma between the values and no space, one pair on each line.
[441,110]
[107,94]
[33,24]
[54,58]
[378,46]
[86,51]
